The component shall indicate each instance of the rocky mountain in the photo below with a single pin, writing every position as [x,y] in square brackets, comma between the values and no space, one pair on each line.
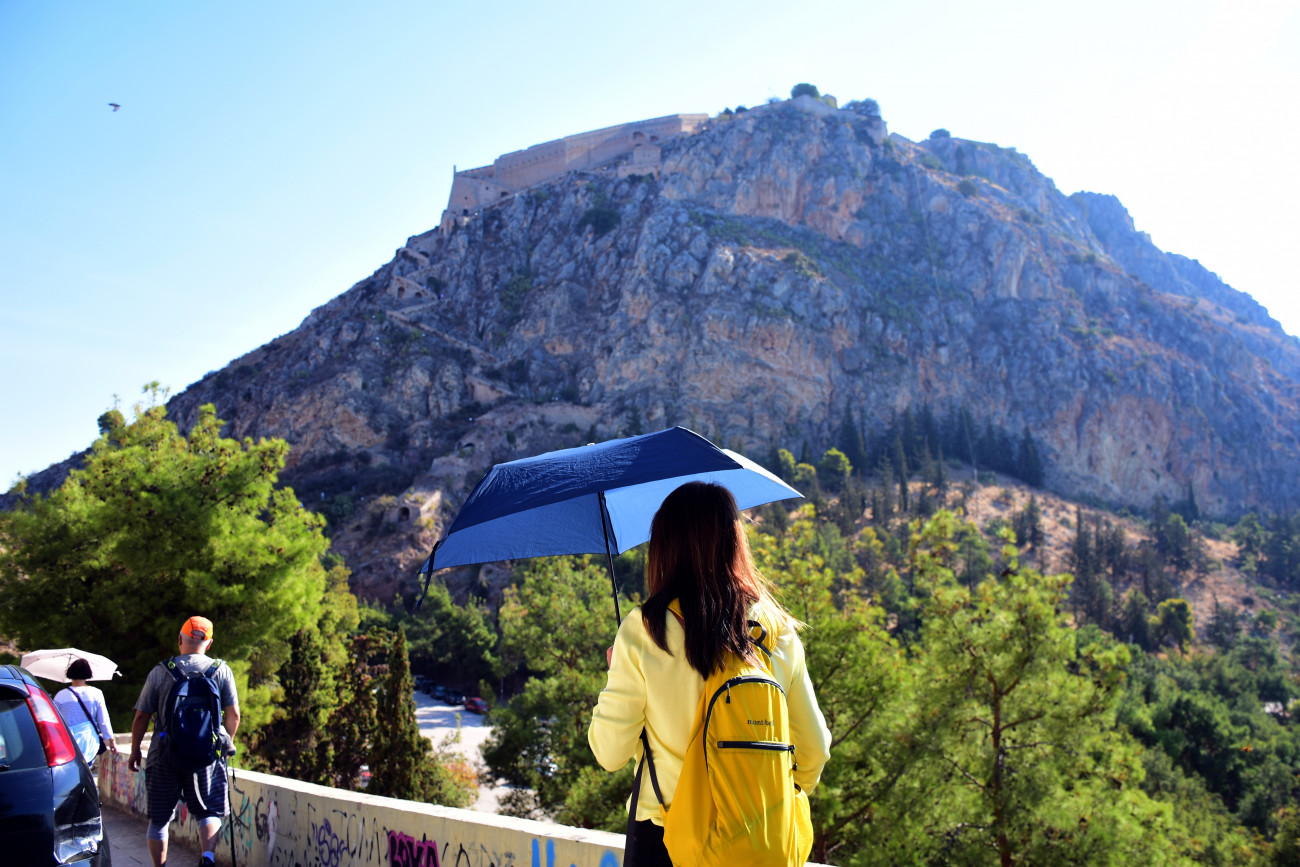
[780,266]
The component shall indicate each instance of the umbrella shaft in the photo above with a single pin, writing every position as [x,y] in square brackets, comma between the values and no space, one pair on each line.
[609,558]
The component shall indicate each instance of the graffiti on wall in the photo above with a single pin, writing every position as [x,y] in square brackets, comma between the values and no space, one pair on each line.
[292,825]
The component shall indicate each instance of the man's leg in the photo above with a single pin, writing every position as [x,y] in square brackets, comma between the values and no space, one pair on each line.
[158,850]
[207,797]
[162,788]
[208,831]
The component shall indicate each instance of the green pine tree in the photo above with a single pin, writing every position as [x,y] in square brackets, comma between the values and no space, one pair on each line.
[295,743]
[355,720]
[556,623]
[404,764]
[156,526]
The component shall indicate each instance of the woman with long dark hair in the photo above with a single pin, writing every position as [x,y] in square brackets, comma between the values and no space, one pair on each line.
[699,557]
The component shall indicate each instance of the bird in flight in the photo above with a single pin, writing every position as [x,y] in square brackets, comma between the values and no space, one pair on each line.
[114,106]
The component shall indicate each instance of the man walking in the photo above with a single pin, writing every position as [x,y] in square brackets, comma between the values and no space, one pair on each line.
[186,693]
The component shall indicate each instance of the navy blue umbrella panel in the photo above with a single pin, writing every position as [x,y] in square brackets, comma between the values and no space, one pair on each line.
[593,498]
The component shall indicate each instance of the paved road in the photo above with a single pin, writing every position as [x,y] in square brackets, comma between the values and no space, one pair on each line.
[437,721]
[125,833]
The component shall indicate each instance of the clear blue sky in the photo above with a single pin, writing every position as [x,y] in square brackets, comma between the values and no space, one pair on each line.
[268,155]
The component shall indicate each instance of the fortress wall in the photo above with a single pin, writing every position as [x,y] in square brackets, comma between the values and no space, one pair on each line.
[532,166]
[477,188]
[471,193]
[584,150]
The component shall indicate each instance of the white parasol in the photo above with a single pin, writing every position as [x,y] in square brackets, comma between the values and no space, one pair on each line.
[53,664]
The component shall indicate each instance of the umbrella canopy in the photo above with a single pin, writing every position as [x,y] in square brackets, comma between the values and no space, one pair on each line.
[593,498]
[53,664]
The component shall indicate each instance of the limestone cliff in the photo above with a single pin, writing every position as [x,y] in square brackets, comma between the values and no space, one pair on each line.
[788,262]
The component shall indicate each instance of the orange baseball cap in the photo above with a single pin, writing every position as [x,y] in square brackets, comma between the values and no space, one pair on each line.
[198,628]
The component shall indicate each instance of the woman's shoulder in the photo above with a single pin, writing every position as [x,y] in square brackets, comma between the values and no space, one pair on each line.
[772,615]
[633,625]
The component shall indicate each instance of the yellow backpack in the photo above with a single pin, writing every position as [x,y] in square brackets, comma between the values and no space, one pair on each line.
[736,801]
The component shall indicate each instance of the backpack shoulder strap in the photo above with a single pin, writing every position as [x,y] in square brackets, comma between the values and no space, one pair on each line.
[173,669]
[102,744]
[212,669]
[654,777]
[769,632]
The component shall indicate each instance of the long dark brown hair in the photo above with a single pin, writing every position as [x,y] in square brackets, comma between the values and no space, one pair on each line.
[700,556]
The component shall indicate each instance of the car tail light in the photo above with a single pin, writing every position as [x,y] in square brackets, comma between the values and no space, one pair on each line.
[59,748]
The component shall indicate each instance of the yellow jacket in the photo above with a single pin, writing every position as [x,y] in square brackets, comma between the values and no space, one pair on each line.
[651,689]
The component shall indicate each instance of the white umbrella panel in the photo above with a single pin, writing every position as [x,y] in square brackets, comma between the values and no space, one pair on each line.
[53,664]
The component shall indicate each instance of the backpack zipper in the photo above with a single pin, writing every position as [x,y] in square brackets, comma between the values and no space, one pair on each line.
[756,745]
[726,687]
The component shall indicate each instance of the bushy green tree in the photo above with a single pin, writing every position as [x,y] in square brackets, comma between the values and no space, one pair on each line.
[851,442]
[805,479]
[1134,624]
[805,89]
[299,741]
[555,624]
[785,465]
[1173,622]
[447,641]
[1250,536]
[1205,712]
[403,763]
[157,526]
[1286,848]
[989,736]
[1028,525]
[295,742]
[1018,758]
[355,719]
[834,468]
[857,671]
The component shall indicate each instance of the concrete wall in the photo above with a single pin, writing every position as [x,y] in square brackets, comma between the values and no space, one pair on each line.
[284,822]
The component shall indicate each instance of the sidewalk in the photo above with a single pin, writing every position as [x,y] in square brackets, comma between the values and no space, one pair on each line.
[125,833]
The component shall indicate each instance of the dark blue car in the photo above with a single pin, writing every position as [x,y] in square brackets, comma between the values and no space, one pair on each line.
[49,806]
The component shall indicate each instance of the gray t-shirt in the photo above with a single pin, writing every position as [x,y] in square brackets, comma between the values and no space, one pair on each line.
[159,684]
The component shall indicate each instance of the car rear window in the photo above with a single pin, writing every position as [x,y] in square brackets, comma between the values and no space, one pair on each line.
[20,743]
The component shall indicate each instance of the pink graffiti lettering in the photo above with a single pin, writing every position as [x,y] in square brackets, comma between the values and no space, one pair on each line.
[405,851]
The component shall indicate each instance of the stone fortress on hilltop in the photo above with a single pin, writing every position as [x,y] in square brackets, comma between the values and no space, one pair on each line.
[633,146]
[626,149]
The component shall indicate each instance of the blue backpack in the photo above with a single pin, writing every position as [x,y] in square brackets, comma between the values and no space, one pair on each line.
[193,717]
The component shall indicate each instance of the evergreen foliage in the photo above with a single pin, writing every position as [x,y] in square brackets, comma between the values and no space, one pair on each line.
[555,623]
[157,526]
[353,723]
[972,722]
[298,742]
[403,763]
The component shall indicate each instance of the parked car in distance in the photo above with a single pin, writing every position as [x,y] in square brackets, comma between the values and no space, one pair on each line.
[439,692]
[49,806]
[422,683]
[454,697]
[475,705]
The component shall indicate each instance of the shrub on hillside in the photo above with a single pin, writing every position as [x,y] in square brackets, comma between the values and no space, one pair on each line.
[600,219]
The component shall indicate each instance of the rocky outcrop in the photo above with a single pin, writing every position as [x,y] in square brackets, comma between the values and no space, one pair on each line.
[791,261]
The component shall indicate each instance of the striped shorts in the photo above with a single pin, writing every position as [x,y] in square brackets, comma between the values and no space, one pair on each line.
[204,790]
